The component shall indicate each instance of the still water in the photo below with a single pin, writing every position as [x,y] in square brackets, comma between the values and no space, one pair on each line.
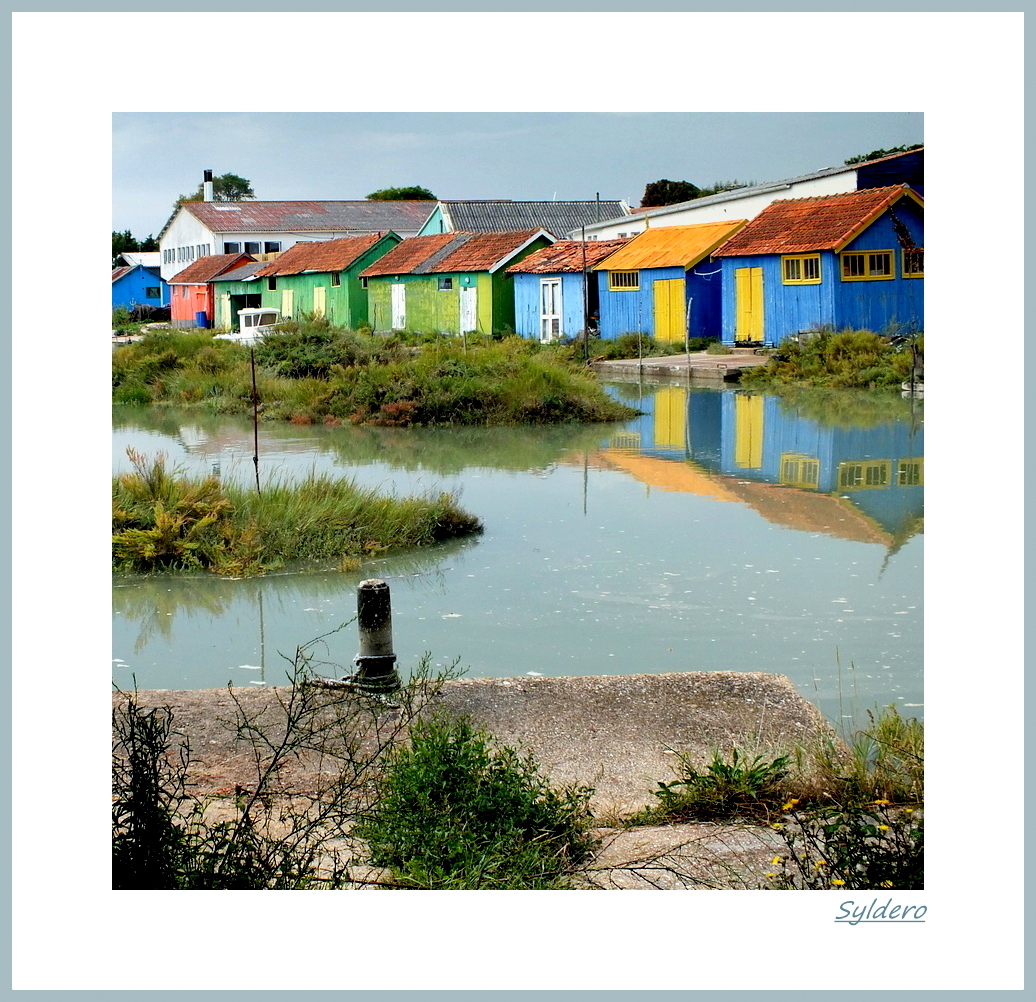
[721,530]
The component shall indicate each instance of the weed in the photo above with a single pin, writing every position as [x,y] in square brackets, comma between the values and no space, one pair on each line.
[850,846]
[738,786]
[456,812]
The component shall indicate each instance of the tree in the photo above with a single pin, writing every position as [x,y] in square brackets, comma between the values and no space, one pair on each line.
[878,154]
[125,241]
[225,188]
[411,194]
[667,192]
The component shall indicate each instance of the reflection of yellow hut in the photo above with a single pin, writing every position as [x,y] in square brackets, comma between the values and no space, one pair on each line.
[790,507]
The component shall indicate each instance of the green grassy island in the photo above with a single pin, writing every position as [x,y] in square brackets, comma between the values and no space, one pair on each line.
[310,372]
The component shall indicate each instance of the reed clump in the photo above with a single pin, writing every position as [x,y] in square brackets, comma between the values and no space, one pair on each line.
[166,520]
[310,372]
[845,358]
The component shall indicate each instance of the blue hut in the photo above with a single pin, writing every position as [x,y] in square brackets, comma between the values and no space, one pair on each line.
[665,283]
[853,260]
[555,295]
[138,285]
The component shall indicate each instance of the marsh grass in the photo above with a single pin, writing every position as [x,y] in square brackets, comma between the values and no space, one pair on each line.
[845,358]
[164,519]
[313,373]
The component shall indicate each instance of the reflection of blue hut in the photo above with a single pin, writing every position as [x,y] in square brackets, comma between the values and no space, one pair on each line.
[854,260]
[648,285]
[775,459]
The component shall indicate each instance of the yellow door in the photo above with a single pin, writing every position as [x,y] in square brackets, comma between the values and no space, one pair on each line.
[319,300]
[671,418]
[287,303]
[748,297]
[669,309]
[748,431]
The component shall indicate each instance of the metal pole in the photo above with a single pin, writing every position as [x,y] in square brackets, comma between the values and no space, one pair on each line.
[376,660]
[255,423]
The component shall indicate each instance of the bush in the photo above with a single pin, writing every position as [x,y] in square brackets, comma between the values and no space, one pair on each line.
[724,788]
[456,813]
[850,846]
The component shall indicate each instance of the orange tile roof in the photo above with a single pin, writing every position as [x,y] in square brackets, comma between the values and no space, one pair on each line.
[408,255]
[567,255]
[671,246]
[206,268]
[827,222]
[450,252]
[322,255]
[485,251]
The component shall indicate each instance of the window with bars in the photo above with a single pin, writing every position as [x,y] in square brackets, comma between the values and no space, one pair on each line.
[800,471]
[801,269]
[863,475]
[913,262]
[866,266]
[624,281]
[910,473]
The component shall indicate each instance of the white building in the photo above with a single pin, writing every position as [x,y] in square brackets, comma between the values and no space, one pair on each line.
[265,229]
[747,203]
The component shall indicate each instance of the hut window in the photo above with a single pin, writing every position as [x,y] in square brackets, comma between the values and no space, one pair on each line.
[363,283]
[866,266]
[445,284]
[913,262]
[801,269]
[251,247]
[865,474]
[232,248]
[624,281]
[153,292]
[336,279]
[271,246]
[271,282]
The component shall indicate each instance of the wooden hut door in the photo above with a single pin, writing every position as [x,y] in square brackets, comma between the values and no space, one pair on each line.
[550,309]
[669,309]
[468,308]
[748,300]
[319,300]
[398,306]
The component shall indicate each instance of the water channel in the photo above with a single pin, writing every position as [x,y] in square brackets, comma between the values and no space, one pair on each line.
[720,531]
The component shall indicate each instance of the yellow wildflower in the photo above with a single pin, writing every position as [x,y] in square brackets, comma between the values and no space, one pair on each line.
[771,874]
[883,828]
[790,804]
[821,862]
[882,803]
[775,860]
[838,883]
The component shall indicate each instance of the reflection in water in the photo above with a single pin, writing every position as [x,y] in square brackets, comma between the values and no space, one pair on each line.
[721,530]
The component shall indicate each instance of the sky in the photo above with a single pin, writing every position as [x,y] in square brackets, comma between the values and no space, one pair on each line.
[457,155]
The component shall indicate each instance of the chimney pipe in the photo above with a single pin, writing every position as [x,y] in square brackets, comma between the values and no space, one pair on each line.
[207,187]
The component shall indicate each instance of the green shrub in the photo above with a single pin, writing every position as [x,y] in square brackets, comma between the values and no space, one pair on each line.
[456,813]
[725,788]
[851,846]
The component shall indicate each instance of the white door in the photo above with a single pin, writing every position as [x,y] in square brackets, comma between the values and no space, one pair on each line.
[398,306]
[550,309]
[468,308]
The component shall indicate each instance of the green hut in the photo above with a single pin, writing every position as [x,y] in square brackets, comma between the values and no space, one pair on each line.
[449,283]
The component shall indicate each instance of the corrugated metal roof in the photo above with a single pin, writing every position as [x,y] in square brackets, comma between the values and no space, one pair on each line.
[311,217]
[566,256]
[758,189]
[671,246]
[205,269]
[409,254]
[117,273]
[321,255]
[801,225]
[557,218]
[248,270]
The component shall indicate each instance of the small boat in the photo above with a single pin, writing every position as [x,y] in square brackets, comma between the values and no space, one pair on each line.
[255,322]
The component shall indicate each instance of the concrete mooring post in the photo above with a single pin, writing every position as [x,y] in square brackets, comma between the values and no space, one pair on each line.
[376,662]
